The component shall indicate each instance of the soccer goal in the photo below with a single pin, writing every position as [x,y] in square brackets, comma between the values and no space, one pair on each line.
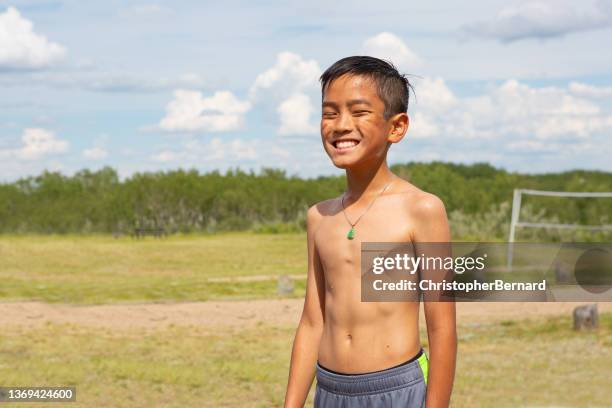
[516,210]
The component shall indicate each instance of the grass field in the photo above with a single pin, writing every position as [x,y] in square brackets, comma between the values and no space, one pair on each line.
[533,361]
[101,269]
[537,362]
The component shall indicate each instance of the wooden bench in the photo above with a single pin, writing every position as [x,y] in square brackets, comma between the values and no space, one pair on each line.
[142,232]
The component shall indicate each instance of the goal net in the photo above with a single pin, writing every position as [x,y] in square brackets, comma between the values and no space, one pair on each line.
[516,211]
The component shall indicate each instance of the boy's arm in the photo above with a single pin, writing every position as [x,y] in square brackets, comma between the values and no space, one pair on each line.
[308,334]
[440,316]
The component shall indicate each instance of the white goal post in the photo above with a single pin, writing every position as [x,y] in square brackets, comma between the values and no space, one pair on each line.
[516,209]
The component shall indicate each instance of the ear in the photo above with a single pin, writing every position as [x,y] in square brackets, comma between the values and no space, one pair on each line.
[399,125]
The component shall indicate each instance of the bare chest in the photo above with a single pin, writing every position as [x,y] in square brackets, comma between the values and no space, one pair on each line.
[341,256]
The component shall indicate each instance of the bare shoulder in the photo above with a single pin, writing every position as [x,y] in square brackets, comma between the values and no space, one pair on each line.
[427,206]
[418,202]
[317,211]
[427,212]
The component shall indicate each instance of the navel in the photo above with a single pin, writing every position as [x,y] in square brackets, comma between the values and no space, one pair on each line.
[349,337]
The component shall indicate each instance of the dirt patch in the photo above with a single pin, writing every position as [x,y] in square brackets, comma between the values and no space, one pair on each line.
[235,314]
[149,315]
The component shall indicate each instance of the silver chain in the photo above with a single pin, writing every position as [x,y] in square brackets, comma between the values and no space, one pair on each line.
[366,210]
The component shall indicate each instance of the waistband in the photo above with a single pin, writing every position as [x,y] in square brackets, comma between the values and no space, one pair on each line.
[375,382]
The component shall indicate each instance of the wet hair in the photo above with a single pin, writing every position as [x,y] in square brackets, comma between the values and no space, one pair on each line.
[392,87]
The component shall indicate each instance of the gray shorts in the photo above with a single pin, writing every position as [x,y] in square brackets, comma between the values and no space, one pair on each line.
[401,386]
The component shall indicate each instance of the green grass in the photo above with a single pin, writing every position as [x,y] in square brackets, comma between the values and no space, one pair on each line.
[101,269]
[510,363]
[175,367]
[89,269]
[536,362]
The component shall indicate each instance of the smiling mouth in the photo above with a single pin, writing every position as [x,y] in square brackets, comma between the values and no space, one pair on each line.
[345,145]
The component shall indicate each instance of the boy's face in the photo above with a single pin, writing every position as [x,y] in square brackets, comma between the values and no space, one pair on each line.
[353,128]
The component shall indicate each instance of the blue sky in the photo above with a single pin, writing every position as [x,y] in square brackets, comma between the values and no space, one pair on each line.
[140,86]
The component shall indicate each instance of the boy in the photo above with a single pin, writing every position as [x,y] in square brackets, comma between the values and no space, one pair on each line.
[368,354]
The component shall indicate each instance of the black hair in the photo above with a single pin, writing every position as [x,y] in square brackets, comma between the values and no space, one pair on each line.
[393,87]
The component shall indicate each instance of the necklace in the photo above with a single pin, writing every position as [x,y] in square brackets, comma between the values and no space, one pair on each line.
[351,233]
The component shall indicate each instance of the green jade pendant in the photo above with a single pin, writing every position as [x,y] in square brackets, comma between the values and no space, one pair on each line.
[351,233]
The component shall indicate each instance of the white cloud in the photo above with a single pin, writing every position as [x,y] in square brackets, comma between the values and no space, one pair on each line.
[513,125]
[590,91]
[582,127]
[288,86]
[95,153]
[433,94]
[165,156]
[518,99]
[289,75]
[190,111]
[295,115]
[541,19]
[242,150]
[531,146]
[512,110]
[36,143]
[196,152]
[422,127]
[390,47]
[21,47]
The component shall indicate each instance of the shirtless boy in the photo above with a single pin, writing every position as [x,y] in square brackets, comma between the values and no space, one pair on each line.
[368,354]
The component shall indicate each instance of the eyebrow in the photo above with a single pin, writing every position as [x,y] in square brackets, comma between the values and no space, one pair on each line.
[349,103]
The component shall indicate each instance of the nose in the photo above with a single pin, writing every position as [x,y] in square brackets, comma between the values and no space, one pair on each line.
[344,123]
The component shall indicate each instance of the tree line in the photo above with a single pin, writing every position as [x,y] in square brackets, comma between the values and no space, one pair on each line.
[477,199]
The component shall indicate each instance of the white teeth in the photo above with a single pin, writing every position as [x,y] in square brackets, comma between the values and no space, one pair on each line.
[346,144]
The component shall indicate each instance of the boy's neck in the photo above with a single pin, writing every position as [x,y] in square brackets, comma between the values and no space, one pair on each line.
[368,181]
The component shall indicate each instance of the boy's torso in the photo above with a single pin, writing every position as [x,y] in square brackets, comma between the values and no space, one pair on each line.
[361,337]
